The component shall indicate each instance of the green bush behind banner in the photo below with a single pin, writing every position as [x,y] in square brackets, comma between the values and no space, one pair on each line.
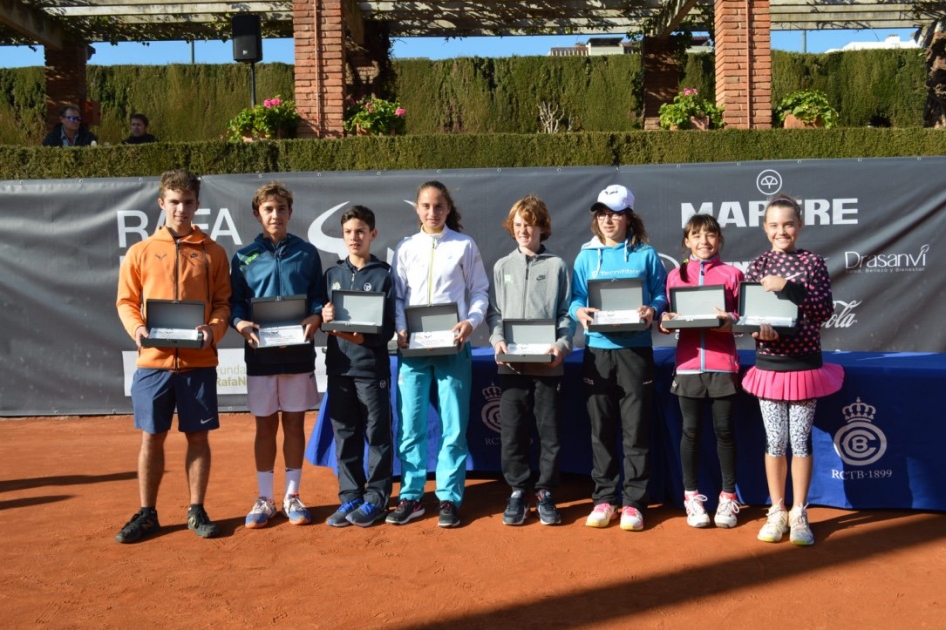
[466,112]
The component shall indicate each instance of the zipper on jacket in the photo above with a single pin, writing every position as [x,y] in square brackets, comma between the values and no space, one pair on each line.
[430,272]
[525,287]
[177,285]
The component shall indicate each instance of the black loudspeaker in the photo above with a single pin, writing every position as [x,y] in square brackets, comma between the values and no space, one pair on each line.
[247,38]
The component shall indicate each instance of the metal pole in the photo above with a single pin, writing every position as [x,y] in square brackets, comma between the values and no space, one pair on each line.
[252,84]
[804,41]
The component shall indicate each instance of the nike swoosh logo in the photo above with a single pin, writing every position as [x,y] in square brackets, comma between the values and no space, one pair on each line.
[207,420]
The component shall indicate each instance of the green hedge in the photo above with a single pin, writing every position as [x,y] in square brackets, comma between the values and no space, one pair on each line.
[183,102]
[447,151]
[467,95]
[466,113]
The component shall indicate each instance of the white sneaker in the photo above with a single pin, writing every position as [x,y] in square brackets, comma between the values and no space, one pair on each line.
[800,530]
[263,510]
[776,524]
[601,516]
[726,511]
[631,519]
[696,514]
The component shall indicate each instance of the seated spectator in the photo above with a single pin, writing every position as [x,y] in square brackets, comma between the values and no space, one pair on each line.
[139,131]
[70,132]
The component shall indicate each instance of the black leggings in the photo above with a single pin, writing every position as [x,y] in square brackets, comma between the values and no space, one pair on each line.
[692,410]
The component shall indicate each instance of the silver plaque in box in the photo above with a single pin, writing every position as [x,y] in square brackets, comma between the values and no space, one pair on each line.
[758,306]
[430,330]
[173,324]
[528,341]
[618,302]
[280,321]
[356,311]
[695,307]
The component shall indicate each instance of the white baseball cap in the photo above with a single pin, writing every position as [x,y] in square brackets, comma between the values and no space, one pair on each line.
[616,198]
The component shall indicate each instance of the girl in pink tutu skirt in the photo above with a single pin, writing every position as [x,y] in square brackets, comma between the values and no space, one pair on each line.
[789,375]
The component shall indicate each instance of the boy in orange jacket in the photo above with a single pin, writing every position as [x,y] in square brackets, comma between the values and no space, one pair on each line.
[177,262]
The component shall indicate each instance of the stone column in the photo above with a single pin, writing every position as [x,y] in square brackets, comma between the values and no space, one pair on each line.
[744,63]
[661,77]
[318,28]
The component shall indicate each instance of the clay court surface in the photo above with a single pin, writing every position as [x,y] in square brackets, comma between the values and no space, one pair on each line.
[67,485]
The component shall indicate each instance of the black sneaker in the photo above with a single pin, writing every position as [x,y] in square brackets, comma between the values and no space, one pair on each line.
[517,508]
[449,517]
[407,510]
[198,521]
[366,515]
[340,517]
[143,524]
[548,513]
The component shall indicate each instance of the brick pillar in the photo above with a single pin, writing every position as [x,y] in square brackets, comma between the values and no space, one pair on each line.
[744,63]
[65,79]
[318,28]
[661,77]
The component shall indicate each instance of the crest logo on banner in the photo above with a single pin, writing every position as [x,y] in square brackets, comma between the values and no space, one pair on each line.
[490,412]
[860,442]
[768,182]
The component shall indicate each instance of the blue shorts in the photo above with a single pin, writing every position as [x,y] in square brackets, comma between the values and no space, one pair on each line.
[156,393]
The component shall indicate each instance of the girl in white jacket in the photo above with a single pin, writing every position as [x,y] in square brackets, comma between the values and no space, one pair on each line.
[438,265]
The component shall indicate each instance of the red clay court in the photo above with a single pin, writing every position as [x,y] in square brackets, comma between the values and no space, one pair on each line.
[67,485]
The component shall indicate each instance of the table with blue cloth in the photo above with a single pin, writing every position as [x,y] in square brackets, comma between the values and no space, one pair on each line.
[877,443]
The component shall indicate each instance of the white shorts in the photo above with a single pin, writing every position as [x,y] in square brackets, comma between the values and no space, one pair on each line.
[265,395]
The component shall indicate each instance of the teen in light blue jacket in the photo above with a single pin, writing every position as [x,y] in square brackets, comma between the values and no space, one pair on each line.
[618,368]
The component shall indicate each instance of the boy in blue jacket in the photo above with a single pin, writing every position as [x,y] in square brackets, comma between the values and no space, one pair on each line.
[277,264]
[359,380]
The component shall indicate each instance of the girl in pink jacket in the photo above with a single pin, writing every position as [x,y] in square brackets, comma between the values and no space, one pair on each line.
[707,366]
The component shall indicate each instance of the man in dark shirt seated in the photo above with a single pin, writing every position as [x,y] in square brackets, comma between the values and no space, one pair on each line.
[69,132]
[139,131]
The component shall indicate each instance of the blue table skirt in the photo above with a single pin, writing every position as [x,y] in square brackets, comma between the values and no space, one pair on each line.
[878,443]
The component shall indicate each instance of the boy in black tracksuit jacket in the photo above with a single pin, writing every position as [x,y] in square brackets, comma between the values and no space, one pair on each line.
[359,381]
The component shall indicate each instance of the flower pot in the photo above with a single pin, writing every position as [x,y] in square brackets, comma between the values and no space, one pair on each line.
[793,122]
[700,123]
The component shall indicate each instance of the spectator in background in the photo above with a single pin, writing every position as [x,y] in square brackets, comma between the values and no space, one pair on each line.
[139,131]
[69,132]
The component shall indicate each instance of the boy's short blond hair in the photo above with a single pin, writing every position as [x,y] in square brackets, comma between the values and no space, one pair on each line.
[270,190]
[180,181]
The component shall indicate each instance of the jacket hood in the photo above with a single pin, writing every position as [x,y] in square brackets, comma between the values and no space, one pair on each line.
[596,244]
[196,237]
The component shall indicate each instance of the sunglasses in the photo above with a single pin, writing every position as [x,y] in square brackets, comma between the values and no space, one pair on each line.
[73,118]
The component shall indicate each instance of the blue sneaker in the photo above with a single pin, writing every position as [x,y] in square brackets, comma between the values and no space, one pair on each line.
[365,516]
[263,510]
[295,511]
[340,517]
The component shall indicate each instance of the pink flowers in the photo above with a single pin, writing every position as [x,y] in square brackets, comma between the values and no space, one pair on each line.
[272,102]
[375,116]
[689,92]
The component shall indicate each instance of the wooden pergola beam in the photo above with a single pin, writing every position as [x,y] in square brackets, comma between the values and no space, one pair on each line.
[32,24]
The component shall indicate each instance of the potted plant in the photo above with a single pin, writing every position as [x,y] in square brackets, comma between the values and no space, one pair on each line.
[806,108]
[375,116]
[275,118]
[689,110]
